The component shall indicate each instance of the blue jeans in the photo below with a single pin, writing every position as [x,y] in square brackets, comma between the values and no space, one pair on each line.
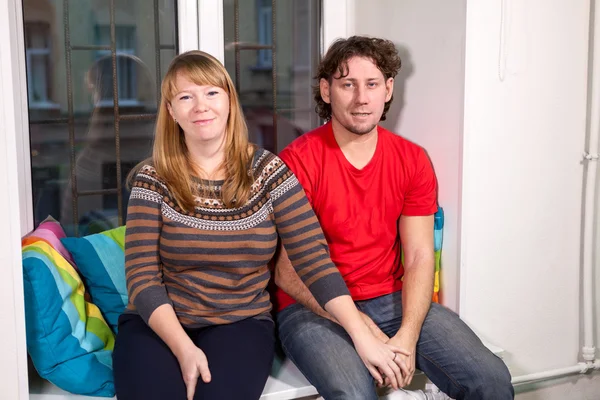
[448,352]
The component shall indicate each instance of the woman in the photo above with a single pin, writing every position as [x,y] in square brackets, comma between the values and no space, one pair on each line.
[203,222]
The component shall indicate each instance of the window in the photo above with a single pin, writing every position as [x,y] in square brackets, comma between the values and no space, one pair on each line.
[82,149]
[37,53]
[275,92]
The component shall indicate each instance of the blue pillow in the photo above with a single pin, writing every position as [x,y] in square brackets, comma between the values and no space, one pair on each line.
[68,340]
[100,259]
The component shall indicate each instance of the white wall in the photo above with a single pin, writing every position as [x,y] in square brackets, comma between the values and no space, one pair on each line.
[522,183]
[428,98]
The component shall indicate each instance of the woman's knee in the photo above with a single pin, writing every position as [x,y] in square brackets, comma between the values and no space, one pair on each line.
[143,365]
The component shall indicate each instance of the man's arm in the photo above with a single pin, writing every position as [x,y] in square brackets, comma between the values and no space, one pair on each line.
[288,280]
[416,234]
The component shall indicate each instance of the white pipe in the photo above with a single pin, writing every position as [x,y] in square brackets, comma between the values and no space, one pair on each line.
[580,368]
[591,157]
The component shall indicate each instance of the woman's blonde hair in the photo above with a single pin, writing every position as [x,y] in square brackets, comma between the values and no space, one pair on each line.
[170,156]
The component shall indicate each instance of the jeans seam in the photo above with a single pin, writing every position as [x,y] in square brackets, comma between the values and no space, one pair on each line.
[450,378]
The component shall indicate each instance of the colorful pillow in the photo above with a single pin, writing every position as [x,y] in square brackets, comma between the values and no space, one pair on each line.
[50,232]
[68,340]
[438,228]
[101,261]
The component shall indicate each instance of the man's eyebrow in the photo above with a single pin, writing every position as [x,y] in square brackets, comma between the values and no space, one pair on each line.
[345,78]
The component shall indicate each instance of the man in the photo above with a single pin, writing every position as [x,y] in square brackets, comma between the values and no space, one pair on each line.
[374,194]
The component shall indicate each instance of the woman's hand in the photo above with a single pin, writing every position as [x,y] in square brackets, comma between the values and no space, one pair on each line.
[193,364]
[381,358]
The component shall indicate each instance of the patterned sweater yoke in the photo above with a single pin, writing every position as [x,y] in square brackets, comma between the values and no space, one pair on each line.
[211,264]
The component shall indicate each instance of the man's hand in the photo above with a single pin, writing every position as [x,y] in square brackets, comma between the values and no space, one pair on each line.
[408,342]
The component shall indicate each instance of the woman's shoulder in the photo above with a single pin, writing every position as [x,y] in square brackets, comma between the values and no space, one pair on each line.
[146,171]
[270,172]
[266,163]
[146,177]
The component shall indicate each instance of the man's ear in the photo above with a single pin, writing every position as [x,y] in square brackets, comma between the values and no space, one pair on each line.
[324,88]
[389,88]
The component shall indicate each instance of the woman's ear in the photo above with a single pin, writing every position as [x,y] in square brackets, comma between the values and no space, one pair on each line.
[170,108]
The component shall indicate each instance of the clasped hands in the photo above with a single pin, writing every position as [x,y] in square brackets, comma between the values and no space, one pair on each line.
[399,368]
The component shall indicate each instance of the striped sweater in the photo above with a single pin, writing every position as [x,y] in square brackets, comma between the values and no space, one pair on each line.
[212,264]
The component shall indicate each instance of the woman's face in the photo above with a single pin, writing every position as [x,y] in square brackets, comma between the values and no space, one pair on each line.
[201,111]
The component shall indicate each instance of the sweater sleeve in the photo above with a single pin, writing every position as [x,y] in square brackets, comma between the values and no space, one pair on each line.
[143,268]
[302,236]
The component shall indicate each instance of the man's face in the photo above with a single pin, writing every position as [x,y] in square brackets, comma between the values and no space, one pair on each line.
[357,100]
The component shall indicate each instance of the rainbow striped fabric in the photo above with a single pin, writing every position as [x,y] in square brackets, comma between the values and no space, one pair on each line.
[68,340]
[438,227]
[101,261]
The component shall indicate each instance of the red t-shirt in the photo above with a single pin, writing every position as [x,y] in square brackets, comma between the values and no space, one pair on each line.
[359,209]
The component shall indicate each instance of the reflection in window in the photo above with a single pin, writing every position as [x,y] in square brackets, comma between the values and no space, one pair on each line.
[265,30]
[82,147]
[277,98]
[37,53]
[126,68]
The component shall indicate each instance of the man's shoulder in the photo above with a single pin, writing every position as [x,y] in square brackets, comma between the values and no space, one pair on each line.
[399,143]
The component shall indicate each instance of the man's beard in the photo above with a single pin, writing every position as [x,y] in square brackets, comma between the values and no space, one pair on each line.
[360,131]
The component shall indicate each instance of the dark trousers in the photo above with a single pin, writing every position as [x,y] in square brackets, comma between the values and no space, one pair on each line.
[239,358]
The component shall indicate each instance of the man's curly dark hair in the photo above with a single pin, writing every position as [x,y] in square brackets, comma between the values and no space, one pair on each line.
[381,51]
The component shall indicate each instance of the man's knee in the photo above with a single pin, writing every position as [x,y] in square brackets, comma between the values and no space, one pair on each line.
[491,381]
[324,353]
[347,382]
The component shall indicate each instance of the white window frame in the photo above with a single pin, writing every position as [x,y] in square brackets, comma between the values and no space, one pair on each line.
[15,177]
[338,21]
[201,26]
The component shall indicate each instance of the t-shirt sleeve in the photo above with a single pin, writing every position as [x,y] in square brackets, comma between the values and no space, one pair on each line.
[421,195]
[302,237]
[300,169]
